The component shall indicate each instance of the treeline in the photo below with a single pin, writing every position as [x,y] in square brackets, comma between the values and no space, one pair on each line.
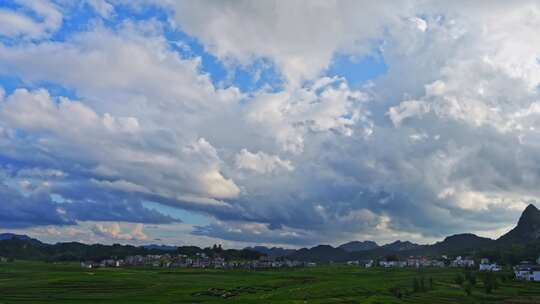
[486,281]
[511,254]
[74,251]
[419,284]
[469,281]
[216,250]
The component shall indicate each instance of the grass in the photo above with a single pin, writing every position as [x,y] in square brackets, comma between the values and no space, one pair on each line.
[34,282]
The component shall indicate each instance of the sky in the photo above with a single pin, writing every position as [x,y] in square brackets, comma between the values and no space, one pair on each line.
[278,123]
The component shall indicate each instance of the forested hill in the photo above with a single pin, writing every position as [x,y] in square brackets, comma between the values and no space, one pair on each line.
[26,248]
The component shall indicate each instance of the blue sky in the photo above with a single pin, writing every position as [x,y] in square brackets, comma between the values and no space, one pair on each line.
[241,123]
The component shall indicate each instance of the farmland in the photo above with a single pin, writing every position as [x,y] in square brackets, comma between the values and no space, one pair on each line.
[37,282]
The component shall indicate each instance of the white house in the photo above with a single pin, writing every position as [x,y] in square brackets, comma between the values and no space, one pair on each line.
[527,272]
[437,263]
[390,264]
[87,264]
[485,265]
[414,262]
[463,262]
[489,267]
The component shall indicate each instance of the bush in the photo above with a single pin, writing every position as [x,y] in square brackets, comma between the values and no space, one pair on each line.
[488,288]
[494,282]
[459,279]
[468,289]
[396,292]
[489,282]
[471,278]
[416,285]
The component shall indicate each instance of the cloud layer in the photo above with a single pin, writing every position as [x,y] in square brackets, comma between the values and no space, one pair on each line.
[142,103]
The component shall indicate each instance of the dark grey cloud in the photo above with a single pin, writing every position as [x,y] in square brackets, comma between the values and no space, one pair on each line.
[25,204]
[18,211]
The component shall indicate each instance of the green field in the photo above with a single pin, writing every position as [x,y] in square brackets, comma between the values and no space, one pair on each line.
[32,282]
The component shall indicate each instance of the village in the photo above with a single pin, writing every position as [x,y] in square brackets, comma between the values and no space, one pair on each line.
[201,260]
[420,262]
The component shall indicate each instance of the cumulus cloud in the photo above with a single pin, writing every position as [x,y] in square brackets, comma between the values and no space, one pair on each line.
[19,23]
[327,105]
[261,162]
[407,108]
[37,112]
[114,231]
[132,63]
[301,38]
[102,7]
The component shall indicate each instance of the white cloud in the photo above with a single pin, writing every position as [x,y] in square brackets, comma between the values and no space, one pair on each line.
[134,63]
[407,109]
[212,181]
[18,23]
[114,231]
[191,171]
[122,185]
[420,23]
[300,37]
[261,162]
[327,105]
[102,7]
[437,88]
[38,111]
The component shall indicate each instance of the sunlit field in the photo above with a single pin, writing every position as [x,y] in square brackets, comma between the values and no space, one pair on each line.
[31,282]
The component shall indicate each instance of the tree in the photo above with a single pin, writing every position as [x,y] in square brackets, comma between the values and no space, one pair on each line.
[459,279]
[392,258]
[396,291]
[488,283]
[468,289]
[494,282]
[488,288]
[416,285]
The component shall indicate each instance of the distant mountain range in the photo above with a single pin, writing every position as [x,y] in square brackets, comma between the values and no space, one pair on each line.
[355,246]
[9,236]
[526,234]
[401,246]
[521,243]
[161,247]
[272,252]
